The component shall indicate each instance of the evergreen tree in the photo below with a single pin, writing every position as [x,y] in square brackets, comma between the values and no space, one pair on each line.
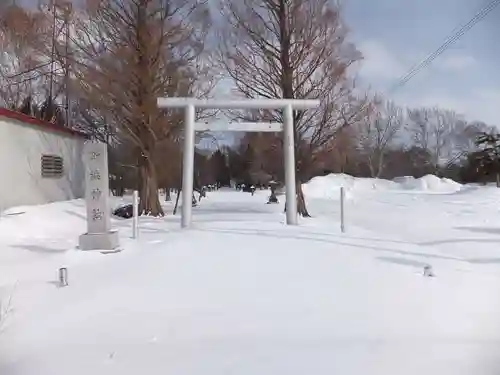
[487,158]
[221,168]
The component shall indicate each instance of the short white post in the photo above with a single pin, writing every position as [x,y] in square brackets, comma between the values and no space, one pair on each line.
[63,277]
[289,153]
[188,165]
[135,214]
[342,209]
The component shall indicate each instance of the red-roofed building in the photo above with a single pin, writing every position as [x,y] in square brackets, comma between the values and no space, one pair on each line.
[40,162]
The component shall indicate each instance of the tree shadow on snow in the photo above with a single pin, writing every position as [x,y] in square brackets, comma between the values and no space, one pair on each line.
[39,249]
[481,230]
[485,230]
[403,261]
[72,213]
[334,242]
[232,210]
[384,249]
[459,240]
[287,230]
[484,260]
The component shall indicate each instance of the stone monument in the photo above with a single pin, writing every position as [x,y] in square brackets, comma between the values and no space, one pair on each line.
[99,235]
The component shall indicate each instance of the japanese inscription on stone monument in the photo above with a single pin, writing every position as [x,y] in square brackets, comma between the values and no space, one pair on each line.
[97,186]
[99,235]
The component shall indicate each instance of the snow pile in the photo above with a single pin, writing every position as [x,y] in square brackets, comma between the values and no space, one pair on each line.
[44,221]
[34,238]
[328,187]
[428,183]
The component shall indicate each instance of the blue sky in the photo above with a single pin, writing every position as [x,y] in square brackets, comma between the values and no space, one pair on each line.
[393,35]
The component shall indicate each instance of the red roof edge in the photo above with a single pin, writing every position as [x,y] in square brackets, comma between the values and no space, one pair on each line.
[4,112]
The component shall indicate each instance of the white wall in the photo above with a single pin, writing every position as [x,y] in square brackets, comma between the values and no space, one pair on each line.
[21,148]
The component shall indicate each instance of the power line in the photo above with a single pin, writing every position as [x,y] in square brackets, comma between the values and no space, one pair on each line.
[38,75]
[29,70]
[479,16]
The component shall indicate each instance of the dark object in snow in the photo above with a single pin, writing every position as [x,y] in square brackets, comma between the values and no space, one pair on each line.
[14,213]
[246,188]
[272,199]
[125,212]
[428,271]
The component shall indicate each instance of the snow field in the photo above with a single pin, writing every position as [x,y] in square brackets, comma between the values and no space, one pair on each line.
[241,293]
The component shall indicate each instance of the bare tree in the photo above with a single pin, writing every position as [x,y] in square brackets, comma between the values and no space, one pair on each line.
[127,54]
[22,68]
[293,49]
[464,138]
[443,133]
[342,155]
[377,136]
[262,157]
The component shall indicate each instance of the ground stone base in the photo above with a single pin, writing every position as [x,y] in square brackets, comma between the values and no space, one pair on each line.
[99,241]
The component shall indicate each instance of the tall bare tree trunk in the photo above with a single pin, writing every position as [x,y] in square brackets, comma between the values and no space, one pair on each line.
[148,189]
[301,201]
[372,169]
[177,201]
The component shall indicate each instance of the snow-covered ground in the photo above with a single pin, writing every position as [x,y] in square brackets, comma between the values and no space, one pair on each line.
[241,293]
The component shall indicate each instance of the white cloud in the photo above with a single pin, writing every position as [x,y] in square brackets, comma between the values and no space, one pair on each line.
[486,105]
[379,63]
[457,62]
[480,104]
[382,67]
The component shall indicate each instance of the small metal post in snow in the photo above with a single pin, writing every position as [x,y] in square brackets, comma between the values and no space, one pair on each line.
[342,209]
[63,276]
[135,214]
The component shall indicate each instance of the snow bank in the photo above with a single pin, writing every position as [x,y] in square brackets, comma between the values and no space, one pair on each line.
[429,183]
[36,240]
[44,221]
[328,187]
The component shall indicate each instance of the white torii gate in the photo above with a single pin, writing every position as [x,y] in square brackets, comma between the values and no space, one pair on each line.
[190,105]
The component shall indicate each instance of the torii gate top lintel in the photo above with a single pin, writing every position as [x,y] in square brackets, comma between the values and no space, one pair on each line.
[238,104]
